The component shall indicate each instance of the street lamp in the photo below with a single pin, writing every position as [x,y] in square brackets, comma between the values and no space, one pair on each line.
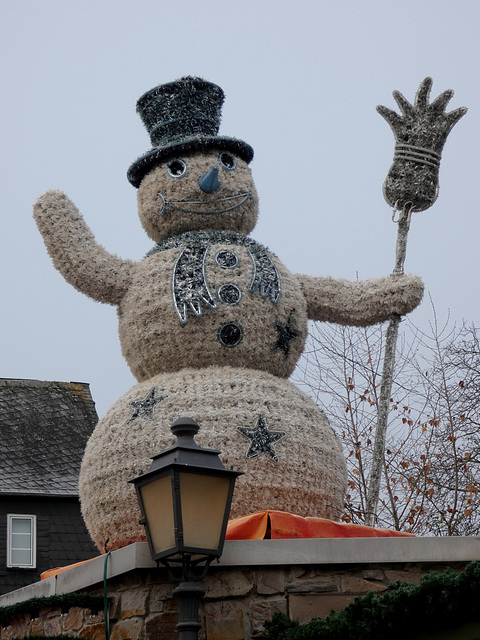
[185,500]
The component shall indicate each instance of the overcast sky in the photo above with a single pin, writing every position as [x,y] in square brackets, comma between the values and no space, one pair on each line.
[302,81]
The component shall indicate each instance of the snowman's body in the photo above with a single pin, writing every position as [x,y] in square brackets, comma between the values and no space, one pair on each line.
[212,298]
[193,309]
[211,324]
[263,425]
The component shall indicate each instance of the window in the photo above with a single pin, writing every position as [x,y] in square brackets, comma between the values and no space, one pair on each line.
[21,541]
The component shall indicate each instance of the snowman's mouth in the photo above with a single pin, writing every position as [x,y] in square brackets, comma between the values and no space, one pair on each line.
[227,203]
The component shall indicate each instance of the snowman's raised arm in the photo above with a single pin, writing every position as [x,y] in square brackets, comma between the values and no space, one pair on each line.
[362,302]
[75,253]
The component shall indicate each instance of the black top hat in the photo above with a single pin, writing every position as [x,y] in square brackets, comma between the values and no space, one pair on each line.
[183,116]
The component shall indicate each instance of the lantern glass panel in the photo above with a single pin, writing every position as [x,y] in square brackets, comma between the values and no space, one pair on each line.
[158,508]
[204,499]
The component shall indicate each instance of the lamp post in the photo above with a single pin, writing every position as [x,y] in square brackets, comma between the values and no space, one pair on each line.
[185,500]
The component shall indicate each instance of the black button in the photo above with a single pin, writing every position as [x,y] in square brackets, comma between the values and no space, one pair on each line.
[229,294]
[226,259]
[230,334]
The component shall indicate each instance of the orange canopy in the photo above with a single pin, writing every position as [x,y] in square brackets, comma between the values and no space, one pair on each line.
[49,573]
[279,524]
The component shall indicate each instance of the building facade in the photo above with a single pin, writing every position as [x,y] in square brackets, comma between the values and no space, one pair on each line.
[44,427]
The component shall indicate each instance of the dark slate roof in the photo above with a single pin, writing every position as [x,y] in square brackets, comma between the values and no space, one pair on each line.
[44,427]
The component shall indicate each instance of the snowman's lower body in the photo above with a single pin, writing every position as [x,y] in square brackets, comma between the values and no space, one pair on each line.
[291,458]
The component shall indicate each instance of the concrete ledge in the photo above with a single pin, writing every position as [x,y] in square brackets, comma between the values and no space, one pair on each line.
[254,553]
[42,589]
[349,551]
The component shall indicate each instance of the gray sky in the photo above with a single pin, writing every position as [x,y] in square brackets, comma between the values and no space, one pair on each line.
[302,81]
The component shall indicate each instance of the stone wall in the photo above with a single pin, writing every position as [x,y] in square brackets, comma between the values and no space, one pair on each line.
[236,604]
[51,622]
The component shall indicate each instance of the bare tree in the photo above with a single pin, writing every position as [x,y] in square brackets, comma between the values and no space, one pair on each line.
[431,463]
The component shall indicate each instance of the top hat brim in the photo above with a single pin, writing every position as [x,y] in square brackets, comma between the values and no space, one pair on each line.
[142,165]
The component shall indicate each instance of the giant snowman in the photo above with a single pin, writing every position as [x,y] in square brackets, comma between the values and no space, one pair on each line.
[211,324]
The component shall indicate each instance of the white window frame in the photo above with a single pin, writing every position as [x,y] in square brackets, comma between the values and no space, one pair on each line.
[33,547]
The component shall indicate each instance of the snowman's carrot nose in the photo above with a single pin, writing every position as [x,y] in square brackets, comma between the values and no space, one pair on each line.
[209,181]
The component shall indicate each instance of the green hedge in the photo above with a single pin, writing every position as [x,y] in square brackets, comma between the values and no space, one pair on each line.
[441,601]
[33,606]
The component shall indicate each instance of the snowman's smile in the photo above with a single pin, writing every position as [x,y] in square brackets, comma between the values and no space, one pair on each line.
[225,204]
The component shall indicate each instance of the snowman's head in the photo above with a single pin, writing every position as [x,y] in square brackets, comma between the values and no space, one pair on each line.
[199,191]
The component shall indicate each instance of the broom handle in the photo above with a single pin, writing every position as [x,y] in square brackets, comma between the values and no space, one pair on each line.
[387,379]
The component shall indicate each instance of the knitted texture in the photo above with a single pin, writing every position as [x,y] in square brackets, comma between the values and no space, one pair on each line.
[75,253]
[170,206]
[211,323]
[154,338]
[363,302]
[308,479]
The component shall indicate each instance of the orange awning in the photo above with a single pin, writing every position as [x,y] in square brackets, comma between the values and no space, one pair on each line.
[280,525]
[49,573]
[277,525]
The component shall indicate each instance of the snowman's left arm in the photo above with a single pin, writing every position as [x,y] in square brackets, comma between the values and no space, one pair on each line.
[363,302]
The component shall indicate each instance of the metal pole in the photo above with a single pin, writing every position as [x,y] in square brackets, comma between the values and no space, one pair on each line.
[387,379]
[188,596]
[411,185]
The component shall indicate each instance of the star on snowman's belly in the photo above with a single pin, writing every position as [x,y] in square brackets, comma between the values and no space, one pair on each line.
[190,289]
[261,439]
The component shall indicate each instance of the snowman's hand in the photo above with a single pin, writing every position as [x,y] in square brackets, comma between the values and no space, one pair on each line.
[363,302]
[75,253]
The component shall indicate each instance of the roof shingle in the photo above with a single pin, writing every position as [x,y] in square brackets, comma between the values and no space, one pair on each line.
[44,427]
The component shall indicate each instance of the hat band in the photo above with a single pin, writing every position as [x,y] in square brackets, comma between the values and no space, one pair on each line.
[171,130]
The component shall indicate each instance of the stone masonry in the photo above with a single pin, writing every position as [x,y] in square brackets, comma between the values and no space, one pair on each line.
[238,598]
[236,604]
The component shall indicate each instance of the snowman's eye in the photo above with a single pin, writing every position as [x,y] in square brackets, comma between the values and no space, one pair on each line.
[176,168]
[227,160]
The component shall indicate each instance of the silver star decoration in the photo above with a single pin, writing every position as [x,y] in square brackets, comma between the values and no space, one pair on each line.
[261,439]
[145,407]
